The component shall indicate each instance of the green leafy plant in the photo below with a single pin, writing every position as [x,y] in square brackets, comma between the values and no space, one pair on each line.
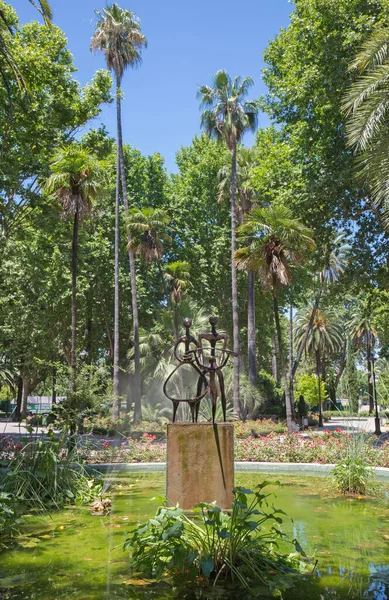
[9,520]
[353,476]
[45,474]
[212,546]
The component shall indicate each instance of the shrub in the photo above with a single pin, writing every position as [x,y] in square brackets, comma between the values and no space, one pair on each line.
[210,545]
[8,517]
[352,475]
[44,474]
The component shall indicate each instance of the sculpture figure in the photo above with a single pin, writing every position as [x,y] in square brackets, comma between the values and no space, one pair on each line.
[205,361]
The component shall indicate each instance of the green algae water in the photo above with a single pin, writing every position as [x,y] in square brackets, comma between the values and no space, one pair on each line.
[72,554]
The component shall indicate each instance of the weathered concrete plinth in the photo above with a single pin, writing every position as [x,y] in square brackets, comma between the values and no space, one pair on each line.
[200,464]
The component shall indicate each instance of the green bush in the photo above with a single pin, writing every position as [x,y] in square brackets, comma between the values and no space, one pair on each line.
[46,475]
[212,546]
[8,517]
[353,476]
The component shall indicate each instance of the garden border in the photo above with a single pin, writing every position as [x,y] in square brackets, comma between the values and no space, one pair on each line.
[309,469]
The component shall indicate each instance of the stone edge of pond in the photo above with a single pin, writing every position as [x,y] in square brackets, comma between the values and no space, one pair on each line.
[241,467]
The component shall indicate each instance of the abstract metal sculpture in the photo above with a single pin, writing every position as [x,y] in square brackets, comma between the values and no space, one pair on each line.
[204,360]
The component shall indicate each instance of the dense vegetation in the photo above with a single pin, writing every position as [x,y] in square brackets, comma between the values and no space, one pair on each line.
[308,304]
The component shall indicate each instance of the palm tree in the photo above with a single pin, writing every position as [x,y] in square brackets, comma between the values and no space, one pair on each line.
[75,181]
[325,335]
[366,106]
[364,334]
[276,242]
[118,34]
[177,275]
[246,160]
[149,231]
[226,117]
[335,262]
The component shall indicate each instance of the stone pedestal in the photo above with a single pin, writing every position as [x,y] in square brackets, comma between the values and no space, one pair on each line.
[200,464]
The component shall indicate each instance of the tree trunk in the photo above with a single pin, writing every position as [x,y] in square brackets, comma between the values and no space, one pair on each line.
[116,333]
[301,347]
[274,358]
[235,314]
[73,355]
[135,320]
[291,377]
[168,302]
[24,398]
[369,375]
[251,333]
[317,353]
[54,387]
[18,411]
[341,366]
[282,361]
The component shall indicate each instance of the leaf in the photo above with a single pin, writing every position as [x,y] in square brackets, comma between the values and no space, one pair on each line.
[207,565]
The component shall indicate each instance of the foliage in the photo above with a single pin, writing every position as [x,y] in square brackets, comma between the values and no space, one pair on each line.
[45,475]
[306,386]
[352,475]
[241,547]
[9,520]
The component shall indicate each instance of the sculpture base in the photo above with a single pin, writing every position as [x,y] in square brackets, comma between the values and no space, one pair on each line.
[200,464]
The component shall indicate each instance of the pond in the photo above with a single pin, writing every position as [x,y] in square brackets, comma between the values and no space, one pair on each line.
[72,554]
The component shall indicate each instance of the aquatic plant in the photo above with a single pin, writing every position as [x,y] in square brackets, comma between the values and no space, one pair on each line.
[353,476]
[210,546]
[44,474]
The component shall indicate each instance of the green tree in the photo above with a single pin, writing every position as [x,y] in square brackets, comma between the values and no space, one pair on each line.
[227,116]
[32,128]
[277,242]
[6,29]
[75,181]
[324,336]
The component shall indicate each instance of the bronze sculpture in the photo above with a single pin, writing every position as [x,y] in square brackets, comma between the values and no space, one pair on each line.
[208,366]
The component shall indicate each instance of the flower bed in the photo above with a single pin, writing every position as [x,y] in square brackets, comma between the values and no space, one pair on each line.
[327,447]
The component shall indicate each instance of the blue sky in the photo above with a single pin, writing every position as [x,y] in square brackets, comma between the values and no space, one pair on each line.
[188,41]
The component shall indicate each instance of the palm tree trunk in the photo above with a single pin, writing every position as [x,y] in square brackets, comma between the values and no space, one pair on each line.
[73,355]
[251,333]
[274,358]
[291,378]
[235,314]
[116,391]
[341,366]
[301,347]
[319,387]
[135,318]
[18,411]
[168,302]
[282,362]
[369,375]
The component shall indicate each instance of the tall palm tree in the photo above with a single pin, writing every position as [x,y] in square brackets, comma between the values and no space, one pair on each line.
[366,106]
[75,181]
[276,242]
[227,116]
[149,232]
[324,336]
[246,160]
[335,262]
[119,36]
[364,335]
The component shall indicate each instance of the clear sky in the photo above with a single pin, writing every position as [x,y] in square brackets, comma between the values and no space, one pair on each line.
[188,41]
